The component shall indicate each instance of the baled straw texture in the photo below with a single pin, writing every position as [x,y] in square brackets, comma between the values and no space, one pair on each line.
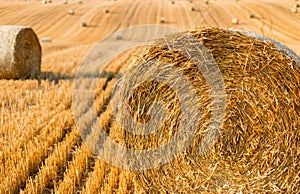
[258,149]
[20,52]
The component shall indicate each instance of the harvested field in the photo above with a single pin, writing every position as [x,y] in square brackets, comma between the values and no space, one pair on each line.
[40,148]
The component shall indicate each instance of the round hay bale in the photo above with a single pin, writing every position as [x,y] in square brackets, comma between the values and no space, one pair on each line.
[294,10]
[162,20]
[65,2]
[80,2]
[235,21]
[20,52]
[84,24]
[71,12]
[297,5]
[193,8]
[106,10]
[258,145]
[173,2]
[251,15]
[44,1]
[119,36]
[206,1]
[46,39]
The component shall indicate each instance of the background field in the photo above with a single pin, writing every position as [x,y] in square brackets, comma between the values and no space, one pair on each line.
[40,149]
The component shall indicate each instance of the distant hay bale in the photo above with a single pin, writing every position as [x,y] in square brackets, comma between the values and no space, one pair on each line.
[257,150]
[173,2]
[44,1]
[71,12]
[80,1]
[297,5]
[162,20]
[251,15]
[46,39]
[106,10]
[235,21]
[65,2]
[294,10]
[49,1]
[206,1]
[119,36]
[84,23]
[20,52]
[193,8]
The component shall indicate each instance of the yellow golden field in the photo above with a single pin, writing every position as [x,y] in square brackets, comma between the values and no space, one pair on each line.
[40,148]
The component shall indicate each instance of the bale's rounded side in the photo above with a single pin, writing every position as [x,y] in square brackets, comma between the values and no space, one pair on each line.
[20,52]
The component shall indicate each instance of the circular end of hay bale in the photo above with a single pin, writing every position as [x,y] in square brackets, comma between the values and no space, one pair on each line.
[20,53]
[258,142]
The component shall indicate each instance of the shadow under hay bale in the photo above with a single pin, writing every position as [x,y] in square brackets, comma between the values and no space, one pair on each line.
[20,53]
[56,77]
[258,145]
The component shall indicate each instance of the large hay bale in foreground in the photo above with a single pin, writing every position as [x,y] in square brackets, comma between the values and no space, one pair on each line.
[20,52]
[258,148]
